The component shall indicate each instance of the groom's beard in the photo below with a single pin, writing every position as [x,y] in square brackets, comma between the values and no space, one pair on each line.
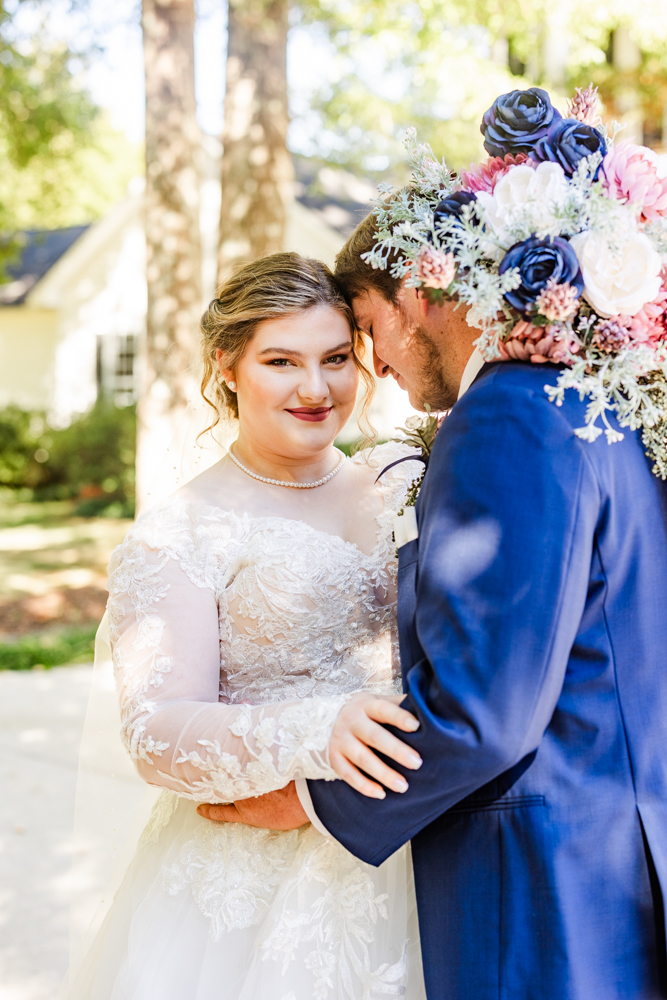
[435,386]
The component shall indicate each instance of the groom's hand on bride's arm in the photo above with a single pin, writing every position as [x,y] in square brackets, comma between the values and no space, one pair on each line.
[279,810]
[358,727]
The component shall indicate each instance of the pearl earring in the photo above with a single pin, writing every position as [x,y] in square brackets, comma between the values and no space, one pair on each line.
[232,386]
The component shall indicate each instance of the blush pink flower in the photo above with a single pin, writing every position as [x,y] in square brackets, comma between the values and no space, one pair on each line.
[630,175]
[649,325]
[483,176]
[435,268]
[557,302]
[537,344]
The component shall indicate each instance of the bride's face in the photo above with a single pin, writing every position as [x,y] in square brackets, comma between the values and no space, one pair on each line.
[297,382]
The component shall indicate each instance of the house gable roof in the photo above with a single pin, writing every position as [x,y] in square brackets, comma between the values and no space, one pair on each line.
[42,248]
[328,205]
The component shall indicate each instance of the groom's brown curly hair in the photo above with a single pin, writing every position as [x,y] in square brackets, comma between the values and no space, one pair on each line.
[354,275]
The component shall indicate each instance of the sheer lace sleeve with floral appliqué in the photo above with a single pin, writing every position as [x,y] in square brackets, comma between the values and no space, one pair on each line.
[164,615]
[236,640]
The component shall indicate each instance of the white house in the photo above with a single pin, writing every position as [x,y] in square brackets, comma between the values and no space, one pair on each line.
[72,318]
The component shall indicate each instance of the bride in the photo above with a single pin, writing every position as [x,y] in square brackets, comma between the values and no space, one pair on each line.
[245,612]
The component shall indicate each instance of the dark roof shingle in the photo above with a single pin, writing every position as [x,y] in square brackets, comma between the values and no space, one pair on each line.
[43,247]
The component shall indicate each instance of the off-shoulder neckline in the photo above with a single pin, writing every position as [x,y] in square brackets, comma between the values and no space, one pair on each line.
[201,506]
[381,517]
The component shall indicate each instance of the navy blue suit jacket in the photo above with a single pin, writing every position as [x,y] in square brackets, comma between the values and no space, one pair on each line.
[533,632]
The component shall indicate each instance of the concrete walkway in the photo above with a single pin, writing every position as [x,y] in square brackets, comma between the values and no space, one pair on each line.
[41,719]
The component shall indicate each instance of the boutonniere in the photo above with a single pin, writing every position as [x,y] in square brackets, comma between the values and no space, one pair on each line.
[419,433]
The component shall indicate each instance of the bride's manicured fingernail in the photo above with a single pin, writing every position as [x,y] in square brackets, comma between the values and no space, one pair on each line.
[414,760]
[380,793]
[413,725]
[401,785]
[203,811]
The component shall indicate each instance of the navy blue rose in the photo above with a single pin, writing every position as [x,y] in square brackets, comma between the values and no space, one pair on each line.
[515,122]
[569,141]
[452,206]
[539,260]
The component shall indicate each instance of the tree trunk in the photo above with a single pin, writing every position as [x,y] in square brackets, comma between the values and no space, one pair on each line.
[173,265]
[257,170]
[627,60]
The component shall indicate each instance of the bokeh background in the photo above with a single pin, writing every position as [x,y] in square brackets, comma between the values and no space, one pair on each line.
[144,150]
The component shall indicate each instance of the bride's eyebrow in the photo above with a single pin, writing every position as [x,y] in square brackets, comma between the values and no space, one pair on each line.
[298,354]
[340,347]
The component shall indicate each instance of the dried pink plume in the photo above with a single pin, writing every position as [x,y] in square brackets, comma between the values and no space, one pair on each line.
[435,268]
[484,176]
[648,326]
[610,336]
[584,106]
[630,175]
[537,344]
[557,303]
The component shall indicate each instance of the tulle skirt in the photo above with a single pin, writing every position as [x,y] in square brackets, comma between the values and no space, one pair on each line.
[212,911]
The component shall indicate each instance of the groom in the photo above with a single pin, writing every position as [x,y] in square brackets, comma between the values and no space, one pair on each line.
[533,631]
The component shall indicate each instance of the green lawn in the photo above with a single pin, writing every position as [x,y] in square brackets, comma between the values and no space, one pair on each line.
[52,581]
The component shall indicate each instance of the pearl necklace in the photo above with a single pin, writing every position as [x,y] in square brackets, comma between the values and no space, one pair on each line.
[281,482]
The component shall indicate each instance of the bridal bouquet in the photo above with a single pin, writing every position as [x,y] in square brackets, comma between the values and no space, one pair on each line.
[557,243]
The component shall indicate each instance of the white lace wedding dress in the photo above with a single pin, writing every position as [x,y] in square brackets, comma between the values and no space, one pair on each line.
[236,640]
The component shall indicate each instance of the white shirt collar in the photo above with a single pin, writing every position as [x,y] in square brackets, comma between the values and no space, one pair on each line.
[471,371]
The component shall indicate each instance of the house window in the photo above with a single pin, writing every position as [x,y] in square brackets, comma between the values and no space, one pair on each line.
[117,368]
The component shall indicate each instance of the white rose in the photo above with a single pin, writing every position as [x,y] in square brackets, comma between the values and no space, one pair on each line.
[618,284]
[527,196]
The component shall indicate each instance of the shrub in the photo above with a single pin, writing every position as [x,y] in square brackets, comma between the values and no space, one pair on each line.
[20,434]
[92,459]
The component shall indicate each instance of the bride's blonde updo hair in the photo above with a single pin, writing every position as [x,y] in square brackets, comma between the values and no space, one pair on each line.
[278,285]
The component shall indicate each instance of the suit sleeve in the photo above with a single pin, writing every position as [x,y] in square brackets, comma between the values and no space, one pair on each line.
[507,517]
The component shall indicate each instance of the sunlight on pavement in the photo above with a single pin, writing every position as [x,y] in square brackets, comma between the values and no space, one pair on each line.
[41,717]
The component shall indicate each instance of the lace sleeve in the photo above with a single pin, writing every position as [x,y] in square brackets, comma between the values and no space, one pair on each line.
[166,652]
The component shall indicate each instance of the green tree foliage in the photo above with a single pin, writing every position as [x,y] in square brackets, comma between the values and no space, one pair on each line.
[73,189]
[398,63]
[43,112]
[62,163]
[438,64]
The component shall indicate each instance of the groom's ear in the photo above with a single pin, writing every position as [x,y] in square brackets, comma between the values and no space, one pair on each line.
[422,301]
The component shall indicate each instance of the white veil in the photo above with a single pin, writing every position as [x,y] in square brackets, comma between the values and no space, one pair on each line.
[112,803]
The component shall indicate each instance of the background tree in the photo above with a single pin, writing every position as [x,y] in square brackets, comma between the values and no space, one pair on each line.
[256,166]
[438,64]
[173,266]
[62,164]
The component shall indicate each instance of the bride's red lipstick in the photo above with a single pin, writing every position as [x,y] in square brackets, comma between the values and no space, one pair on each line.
[312,413]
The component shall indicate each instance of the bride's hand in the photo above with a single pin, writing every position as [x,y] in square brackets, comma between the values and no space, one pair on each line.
[358,728]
